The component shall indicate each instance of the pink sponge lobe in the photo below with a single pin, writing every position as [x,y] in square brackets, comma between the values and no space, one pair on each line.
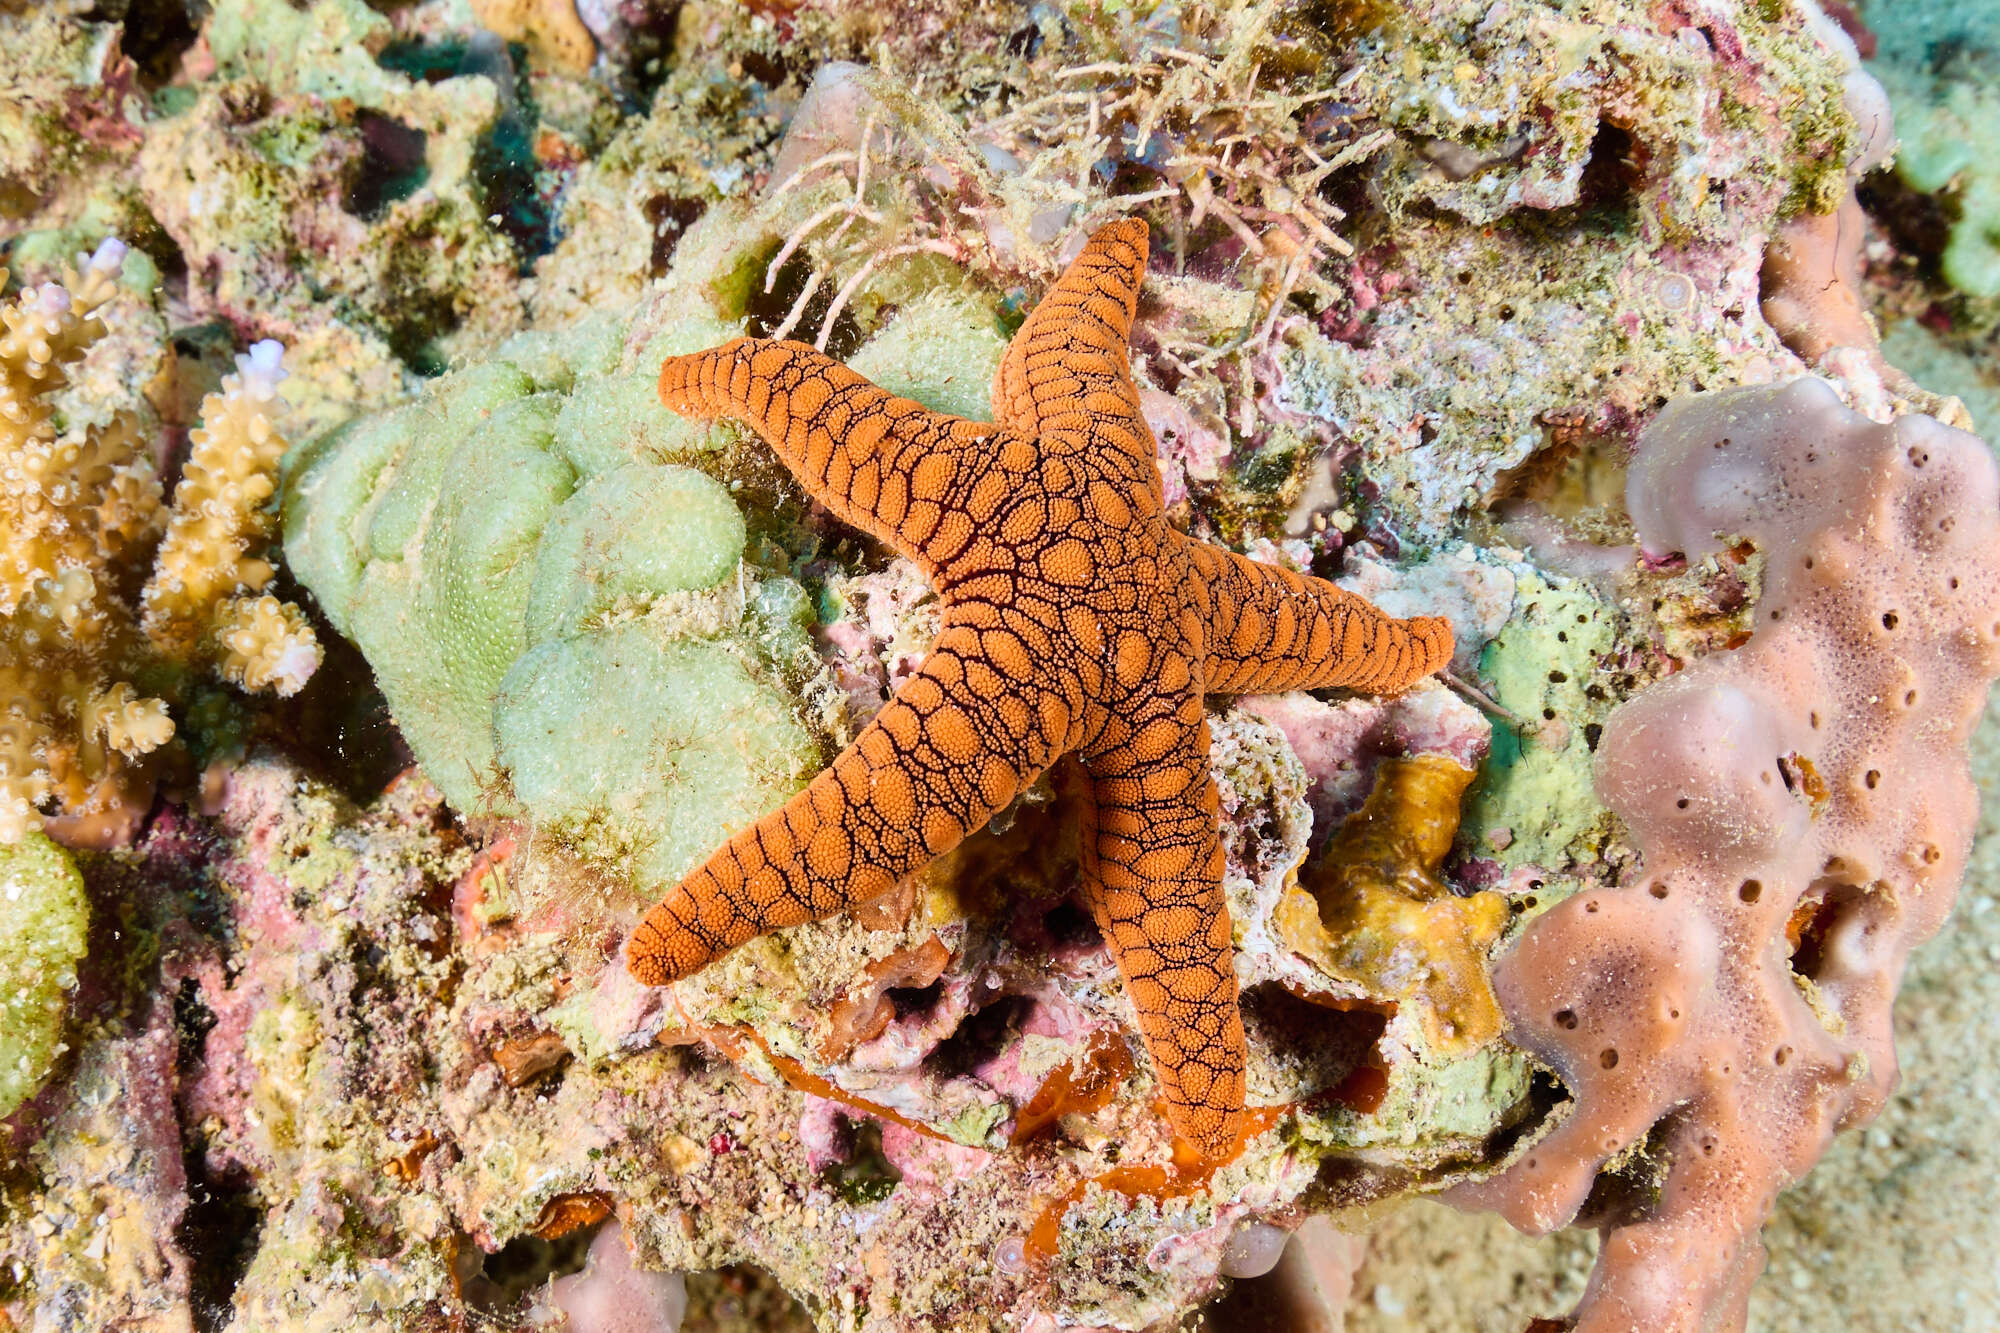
[1802,807]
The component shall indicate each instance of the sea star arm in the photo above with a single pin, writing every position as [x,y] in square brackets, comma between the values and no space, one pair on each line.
[959,739]
[884,464]
[1152,876]
[1270,629]
[1066,376]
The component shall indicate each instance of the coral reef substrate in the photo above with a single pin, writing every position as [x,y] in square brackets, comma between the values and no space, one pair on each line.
[1451,306]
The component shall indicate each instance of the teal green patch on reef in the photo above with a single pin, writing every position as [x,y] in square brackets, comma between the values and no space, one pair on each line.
[1939,61]
[47,918]
[554,602]
[1536,784]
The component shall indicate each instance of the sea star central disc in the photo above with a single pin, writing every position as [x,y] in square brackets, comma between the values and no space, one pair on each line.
[1075,621]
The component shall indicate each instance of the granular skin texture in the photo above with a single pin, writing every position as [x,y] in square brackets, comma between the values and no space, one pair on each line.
[1076,622]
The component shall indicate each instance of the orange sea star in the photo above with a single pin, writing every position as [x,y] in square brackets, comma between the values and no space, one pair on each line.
[1075,621]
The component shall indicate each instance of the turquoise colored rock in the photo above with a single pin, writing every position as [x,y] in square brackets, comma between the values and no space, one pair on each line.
[1535,790]
[1939,61]
[47,917]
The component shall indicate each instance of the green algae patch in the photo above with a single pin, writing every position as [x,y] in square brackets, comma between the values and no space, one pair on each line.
[866,1176]
[1534,803]
[974,1126]
[47,917]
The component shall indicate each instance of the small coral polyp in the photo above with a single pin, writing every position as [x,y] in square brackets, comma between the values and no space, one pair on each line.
[1803,809]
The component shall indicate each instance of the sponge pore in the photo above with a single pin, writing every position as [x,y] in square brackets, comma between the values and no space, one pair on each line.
[1803,809]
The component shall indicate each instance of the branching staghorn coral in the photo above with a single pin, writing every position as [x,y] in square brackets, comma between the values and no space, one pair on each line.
[80,509]
[73,505]
[202,601]
[70,501]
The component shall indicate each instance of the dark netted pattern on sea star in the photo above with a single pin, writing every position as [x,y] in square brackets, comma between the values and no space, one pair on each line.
[1075,621]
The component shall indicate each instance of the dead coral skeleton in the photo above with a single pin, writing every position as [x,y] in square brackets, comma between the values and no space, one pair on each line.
[81,509]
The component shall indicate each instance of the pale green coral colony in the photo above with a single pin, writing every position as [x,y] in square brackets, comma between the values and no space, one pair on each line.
[557,611]
[41,895]
[555,595]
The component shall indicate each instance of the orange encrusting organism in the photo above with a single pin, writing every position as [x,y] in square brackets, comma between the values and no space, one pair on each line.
[1086,1084]
[1075,621]
[728,1041]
